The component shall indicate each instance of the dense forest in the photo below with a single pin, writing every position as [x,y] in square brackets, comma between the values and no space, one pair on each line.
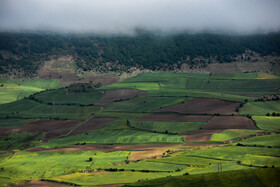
[26,51]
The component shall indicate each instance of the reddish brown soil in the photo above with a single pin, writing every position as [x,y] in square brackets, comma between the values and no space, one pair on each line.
[53,128]
[90,125]
[58,128]
[200,135]
[230,122]
[203,106]
[174,117]
[96,147]
[5,132]
[42,184]
[116,95]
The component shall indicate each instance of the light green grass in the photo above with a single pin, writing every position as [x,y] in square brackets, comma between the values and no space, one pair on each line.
[44,165]
[151,166]
[267,140]
[170,127]
[267,122]
[14,90]
[114,136]
[95,178]
[242,154]
[231,134]
[260,108]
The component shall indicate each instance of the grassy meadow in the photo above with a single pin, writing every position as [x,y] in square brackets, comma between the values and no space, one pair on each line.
[106,154]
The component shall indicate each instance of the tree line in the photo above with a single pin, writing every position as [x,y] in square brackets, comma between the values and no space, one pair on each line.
[26,51]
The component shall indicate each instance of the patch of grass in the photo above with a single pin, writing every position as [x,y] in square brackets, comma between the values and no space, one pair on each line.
[61,96]
[20,141]
[173,92]
[260,108]
[114,136]
[151,166]
[231,134]
[168,127]
[27,108]
[106,178]
[14,90]
[242,154]
[267,140]
[14,123]
[267,76]
[252,177]
[45,165]
[234,76]
[267,122]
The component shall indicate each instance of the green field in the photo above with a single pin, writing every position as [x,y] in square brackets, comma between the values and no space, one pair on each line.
[256,156]
[14,90]
[260,108]
[60,96]
[20,141]
[27,108]
[166,127]
[267,123]
[255,177]
[231,134]
[14,123]
[20,167]
[272,140]
[116,137]
[156,149]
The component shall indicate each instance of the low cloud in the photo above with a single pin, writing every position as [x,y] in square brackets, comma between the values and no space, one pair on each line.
[124,16]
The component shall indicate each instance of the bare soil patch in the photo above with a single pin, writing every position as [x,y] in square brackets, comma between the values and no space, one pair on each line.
[42,184]
[200,135]
[117,95]
[230,122]
[97,147]
[90,125]
[52,128]
[204,106]
[174,118]
[5,132]
[58,128]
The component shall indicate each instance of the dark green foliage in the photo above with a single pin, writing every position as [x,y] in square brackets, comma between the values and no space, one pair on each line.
[20,141]
[143,50]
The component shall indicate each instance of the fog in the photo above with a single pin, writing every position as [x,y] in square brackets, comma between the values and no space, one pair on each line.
[124,16]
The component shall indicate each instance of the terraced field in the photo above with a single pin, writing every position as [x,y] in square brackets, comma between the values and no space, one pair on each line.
[151,129]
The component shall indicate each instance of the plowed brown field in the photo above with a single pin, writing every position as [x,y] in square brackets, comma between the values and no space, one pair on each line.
[230,122]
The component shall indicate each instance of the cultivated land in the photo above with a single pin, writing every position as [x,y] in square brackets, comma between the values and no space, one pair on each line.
[152,129]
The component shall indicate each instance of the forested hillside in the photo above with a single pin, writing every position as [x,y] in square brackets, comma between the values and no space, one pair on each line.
[25,53]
